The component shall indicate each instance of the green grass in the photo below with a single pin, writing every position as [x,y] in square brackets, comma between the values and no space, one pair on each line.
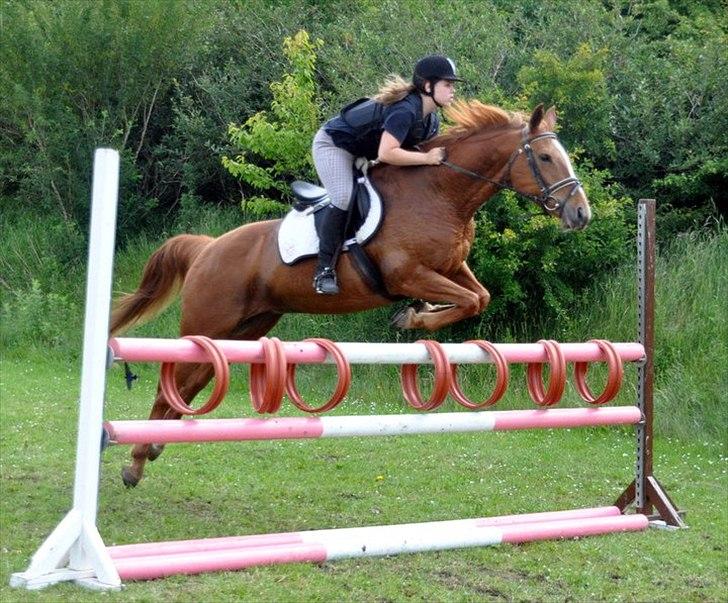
[195,491]
[691,331]
[203,490]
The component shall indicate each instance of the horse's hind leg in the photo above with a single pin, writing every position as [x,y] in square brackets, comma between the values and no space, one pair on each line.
[190,379]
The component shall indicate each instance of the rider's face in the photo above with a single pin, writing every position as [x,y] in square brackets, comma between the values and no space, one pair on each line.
[444,92]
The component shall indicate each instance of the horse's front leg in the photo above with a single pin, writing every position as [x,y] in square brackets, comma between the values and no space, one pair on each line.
[190,379]
[465,277]
[424,283]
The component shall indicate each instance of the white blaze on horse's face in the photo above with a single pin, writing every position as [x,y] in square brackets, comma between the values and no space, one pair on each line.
[555,166]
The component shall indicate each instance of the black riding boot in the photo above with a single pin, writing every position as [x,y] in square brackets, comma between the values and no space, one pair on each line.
[332,237]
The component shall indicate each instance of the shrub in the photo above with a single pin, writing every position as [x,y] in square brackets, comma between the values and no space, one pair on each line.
[578,88]
[534,271]
[276,149]
[38,318]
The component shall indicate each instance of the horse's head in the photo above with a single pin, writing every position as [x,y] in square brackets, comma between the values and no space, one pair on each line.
[541,169]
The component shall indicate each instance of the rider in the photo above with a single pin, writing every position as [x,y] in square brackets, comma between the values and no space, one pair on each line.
[400,116]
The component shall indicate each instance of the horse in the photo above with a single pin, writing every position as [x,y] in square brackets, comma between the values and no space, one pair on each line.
[236,287]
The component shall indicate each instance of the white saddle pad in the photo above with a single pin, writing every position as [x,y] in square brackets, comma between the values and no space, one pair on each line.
[297,238]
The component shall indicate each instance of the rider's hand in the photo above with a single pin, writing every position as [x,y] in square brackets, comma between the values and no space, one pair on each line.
[435,156]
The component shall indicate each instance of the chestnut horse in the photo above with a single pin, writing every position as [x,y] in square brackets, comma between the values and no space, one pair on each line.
[236,286]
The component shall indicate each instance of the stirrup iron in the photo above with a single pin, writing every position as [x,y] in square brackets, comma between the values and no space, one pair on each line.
[325,282]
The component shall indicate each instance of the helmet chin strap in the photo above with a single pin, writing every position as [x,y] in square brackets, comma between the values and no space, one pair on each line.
[431,93]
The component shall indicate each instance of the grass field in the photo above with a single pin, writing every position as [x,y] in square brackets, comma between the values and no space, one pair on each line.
[196,491]
[244,488]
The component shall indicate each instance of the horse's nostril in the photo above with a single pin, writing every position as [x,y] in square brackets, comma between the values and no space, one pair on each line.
[580,213]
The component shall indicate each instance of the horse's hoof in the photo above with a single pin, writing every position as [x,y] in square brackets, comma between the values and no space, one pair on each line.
[129,477]
[154,451]
[419,305]
[401,318]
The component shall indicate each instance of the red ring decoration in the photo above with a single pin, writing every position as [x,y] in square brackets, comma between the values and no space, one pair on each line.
[501,380]
[343,371]
[557,382]
[222,379]
[614,378]
[410,388]
[268,379]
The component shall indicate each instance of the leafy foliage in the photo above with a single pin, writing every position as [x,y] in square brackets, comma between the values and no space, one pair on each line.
[641,89]
[578,87]
[81,75]
[281,142]
[535,271]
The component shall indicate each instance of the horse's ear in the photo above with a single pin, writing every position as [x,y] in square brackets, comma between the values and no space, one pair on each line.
[549,119]
[536,118]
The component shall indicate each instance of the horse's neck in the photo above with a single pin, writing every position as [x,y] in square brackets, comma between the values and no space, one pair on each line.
[446,192]
[488,159]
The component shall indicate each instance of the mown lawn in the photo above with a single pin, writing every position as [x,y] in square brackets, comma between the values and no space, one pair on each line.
[223,489]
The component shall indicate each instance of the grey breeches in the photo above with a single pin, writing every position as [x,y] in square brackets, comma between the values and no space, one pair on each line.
[335,168]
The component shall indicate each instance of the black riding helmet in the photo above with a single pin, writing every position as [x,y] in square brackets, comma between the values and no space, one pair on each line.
[432,68]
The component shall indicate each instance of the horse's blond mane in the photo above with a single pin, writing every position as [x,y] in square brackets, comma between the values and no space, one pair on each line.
[471,116]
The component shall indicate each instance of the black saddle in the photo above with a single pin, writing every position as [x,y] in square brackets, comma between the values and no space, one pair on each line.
[311,197]
[307,194]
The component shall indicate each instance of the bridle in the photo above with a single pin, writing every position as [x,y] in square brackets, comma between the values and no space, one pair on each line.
[546,198]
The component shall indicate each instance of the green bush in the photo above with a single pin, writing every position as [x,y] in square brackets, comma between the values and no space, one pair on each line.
[227,81]
[81,75]
[275,149]
[669,79]
[533,269]
[578,88]
[38,318]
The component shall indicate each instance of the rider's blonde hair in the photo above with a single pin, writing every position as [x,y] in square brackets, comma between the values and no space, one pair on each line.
[393,90]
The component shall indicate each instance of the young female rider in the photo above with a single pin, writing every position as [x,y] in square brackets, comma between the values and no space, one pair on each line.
[386,128]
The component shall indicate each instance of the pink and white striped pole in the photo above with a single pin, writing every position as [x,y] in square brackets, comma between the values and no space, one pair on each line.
[227,430]
[174,547]
[182,350]
[156,560]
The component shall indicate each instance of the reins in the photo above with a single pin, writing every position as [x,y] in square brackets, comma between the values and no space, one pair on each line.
[547,191]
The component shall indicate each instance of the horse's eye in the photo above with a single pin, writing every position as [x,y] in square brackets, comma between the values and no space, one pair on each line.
[544,157]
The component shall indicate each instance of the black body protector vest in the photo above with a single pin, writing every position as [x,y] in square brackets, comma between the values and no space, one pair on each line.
[358,127]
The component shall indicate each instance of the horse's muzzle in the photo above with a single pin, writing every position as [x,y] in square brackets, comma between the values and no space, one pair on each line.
[576,215]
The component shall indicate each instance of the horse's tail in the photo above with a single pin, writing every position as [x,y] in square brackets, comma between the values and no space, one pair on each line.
[162,278]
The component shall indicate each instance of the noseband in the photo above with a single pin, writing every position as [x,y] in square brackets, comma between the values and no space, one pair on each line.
[545,198]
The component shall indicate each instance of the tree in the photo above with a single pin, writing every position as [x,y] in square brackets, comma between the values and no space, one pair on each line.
[81,75]
[275,144]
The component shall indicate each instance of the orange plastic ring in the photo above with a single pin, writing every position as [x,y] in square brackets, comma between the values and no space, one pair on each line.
[442,379]
[614,377]
[557,381]
[268,379]
[343,371]
[222,379]
[501,380]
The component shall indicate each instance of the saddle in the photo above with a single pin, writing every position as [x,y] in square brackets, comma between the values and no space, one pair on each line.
[298,234]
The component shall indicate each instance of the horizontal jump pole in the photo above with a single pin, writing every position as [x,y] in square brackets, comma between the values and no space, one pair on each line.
[286,428]
[157,560]
[182,350]
[174,547]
